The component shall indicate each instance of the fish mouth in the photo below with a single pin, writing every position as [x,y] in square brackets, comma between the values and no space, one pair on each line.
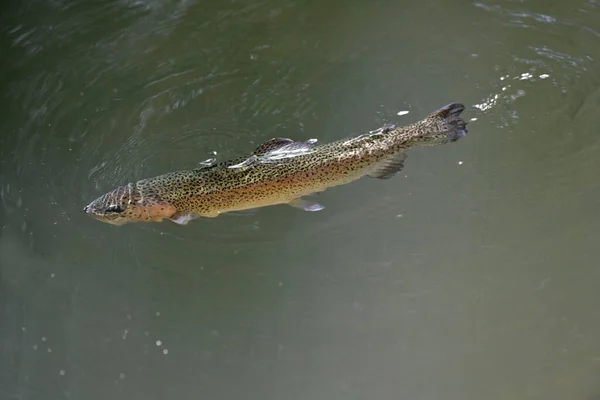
[112,218]
[111,221]
[89,209]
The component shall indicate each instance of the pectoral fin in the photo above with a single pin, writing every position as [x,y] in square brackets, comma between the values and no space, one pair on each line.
[389,167]
[306,205]
[184,219]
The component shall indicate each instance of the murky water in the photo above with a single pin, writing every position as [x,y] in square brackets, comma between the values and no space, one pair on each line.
[472,275]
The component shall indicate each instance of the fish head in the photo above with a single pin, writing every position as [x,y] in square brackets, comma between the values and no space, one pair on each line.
[126,204]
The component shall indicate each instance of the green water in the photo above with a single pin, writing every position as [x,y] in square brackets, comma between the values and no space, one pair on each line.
[473,274]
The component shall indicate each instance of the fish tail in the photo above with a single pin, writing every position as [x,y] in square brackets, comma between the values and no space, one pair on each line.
[443,125]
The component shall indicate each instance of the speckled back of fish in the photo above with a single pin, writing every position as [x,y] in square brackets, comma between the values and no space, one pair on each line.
[280,171]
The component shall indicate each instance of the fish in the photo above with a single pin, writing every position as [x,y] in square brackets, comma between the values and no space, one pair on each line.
[279,171]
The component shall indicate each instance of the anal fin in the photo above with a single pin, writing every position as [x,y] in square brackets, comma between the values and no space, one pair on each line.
[389,167]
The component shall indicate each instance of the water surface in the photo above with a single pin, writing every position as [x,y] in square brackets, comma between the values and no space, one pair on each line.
[471,275]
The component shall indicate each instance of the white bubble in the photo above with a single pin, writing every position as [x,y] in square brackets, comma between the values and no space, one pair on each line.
[544,76]
[165,351]
[460,163]
[403,112]
[49,350]
[43,338]
[525,75]
[158,313]
[62,372]
[158,343]
[488,103]
[473,119]
[122,375]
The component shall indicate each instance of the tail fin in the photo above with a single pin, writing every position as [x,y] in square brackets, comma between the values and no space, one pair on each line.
[446,123]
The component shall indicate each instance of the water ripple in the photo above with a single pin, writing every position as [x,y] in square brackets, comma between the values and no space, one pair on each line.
[109,107]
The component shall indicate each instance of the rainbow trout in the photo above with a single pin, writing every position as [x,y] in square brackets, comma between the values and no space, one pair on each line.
[280,171]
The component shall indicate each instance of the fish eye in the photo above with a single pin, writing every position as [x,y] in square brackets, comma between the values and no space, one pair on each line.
[115,209]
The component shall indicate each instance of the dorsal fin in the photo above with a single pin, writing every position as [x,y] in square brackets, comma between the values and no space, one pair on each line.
[272,144]
[283,146]
[244,163]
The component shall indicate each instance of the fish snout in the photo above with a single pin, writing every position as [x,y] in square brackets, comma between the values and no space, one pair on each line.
[94,208]
[90,208]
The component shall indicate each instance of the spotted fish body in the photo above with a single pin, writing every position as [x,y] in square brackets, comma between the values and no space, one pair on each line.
[280,171]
